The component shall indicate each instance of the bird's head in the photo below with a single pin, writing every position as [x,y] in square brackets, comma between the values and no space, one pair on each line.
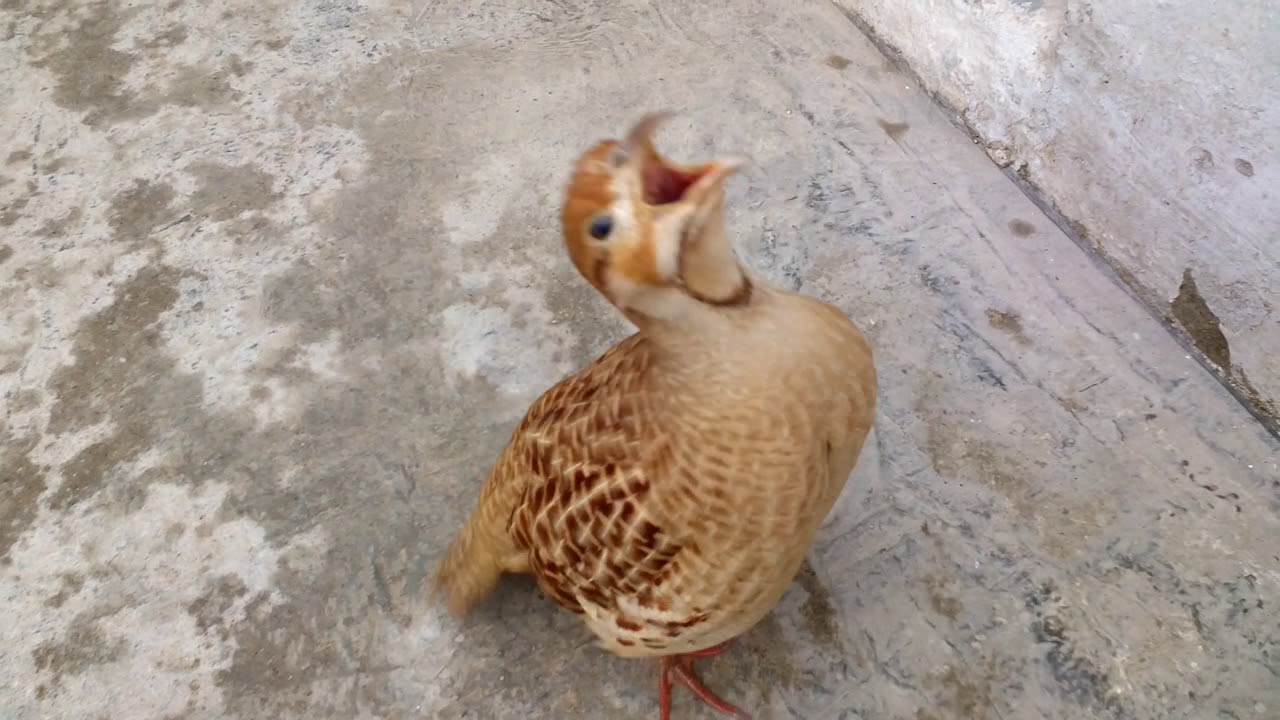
[647,232]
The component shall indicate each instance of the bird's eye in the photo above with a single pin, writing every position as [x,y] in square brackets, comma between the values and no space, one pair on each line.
[601,227]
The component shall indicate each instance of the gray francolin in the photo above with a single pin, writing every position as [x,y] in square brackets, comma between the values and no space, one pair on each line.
[669,491]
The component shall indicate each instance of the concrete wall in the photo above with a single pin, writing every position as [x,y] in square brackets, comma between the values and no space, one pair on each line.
[1151,128]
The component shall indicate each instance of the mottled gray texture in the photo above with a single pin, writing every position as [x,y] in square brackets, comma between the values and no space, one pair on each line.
[1150,128]
[276,281]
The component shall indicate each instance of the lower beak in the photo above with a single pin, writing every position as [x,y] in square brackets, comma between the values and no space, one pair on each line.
[711,177]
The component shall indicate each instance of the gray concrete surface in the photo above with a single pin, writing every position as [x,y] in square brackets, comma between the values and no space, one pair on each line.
[277,280]
[1152,128]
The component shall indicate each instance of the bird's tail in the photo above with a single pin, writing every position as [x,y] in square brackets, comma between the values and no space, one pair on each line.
[468,571]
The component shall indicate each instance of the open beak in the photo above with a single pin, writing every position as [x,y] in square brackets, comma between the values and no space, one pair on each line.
[683,200]
[667,183]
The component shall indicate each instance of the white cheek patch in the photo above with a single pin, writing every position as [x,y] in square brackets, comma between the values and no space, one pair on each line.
[623,214]
[666,240]
[665,237]
[654,302]
[620,288]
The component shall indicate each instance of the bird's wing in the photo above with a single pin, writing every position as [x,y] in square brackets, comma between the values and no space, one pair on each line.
[596,540]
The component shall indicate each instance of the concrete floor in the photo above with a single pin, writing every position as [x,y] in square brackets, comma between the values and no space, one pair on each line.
[277,279]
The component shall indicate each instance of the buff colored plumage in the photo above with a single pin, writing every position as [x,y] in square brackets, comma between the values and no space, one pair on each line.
[670,490]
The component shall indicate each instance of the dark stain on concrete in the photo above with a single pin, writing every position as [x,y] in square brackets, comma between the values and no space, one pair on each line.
[1194,315]
[86,472]
[170,37]
[83,646]
[958,454]
[12,364]
[238,66]
[6,252]
[211,607]
[139,210]
[89,72]
[1244,167]
[1005,321]
[197,86]
[1008,321]
[1021,228]
[839,62]
[262,672]
[819,612]
[105,340]
[1202,159]
[382,214]
[52,163]
[24,400]
[941,602]
[20,489]
[11,213]
[226,191]
[59,227]
[895,130]
[1078,677]
[174,532]
[958,696]
[122,374]
[39,275]
[17,156]
[1264,404]
[72,583]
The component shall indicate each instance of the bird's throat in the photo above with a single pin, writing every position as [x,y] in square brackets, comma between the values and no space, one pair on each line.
[724,287]
[709,270]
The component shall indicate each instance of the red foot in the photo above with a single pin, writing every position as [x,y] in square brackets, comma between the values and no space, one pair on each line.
[681,667]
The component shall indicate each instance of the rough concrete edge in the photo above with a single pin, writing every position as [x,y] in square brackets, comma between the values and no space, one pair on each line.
[1236,385]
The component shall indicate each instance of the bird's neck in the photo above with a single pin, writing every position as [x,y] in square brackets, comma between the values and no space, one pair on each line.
[703,334]
[708,268]
[713,293]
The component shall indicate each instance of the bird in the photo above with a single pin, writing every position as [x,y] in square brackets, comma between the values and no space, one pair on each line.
[669,491]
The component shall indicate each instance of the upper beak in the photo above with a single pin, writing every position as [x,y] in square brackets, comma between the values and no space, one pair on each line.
[639,140]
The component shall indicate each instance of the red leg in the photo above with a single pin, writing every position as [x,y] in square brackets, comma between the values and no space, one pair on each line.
[681,666]
[664,690]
